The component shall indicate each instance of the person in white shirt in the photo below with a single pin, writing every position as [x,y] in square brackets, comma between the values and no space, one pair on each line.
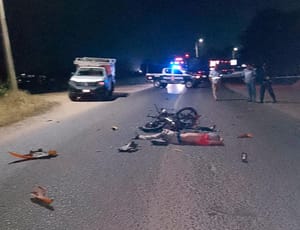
[214,77]
[249,79]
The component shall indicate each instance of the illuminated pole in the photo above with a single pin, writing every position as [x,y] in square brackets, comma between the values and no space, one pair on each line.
[197,43]
[7,50]
[235,49]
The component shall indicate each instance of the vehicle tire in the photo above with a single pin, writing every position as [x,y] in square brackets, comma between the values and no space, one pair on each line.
[73,97]
[110,93]
[164,85]
[106,95]
[156,84]
[196,85]
[187,117]
[112,89]
[153,126]
[189,84]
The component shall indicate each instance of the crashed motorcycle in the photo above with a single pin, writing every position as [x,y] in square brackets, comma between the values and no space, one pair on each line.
[184,118]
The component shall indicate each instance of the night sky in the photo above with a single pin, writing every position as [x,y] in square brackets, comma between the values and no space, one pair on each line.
[51,33]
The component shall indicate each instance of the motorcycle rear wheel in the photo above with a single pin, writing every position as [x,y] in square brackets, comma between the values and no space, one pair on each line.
[187,117]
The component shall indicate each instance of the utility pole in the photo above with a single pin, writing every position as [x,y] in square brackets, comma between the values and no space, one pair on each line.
[198,43]
[7,50]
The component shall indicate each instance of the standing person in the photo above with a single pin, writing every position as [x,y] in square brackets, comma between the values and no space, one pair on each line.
[214,77]
[265,82]
[249,79]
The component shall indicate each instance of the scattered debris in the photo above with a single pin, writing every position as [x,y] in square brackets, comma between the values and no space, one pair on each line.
[130,147]
[114,128]
[244,157]
[212,213]
[178,150]
[159,142]
[246,135]
[50,120]
[39,193]
[35,154]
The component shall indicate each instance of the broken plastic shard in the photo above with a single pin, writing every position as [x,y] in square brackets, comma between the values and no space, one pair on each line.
[130,147]
[52,152]
[39,193]
[38,150]
[159,142]
[35,154]
[178,150]
[244,157]
[246,135]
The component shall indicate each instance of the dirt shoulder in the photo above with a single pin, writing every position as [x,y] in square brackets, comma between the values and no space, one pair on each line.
[288,97]
[61,108]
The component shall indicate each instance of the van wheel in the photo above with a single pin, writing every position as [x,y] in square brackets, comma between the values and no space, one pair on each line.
[107,94]
[188,84]
[112,89]
[72,97]
[157,84]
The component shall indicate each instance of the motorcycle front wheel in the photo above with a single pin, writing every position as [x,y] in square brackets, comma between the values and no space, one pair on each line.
[153,126]
[187,117]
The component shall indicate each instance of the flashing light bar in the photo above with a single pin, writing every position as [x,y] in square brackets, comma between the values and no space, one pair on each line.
[174,66]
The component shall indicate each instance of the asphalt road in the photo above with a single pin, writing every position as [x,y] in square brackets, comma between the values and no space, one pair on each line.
[158,187]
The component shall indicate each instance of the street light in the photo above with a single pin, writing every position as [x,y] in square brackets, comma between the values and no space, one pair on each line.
[197,44]
[234,51]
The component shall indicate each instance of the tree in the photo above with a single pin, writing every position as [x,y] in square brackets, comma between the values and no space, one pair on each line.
[272,37]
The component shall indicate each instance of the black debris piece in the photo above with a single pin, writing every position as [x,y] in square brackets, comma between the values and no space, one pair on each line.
[130,147]
[244,157]
[159,142]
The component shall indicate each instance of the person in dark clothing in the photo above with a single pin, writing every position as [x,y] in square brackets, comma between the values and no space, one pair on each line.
[265,82]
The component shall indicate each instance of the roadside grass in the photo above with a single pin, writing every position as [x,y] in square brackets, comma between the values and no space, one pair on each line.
[18,105]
